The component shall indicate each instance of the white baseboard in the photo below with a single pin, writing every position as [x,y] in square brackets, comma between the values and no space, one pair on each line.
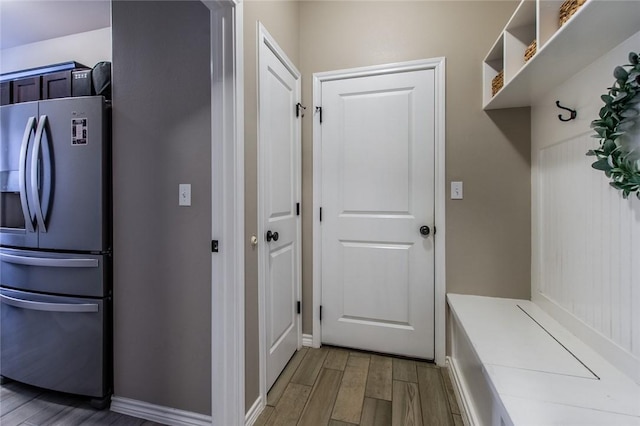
[254,412]
[307,340]
[458,388]
[158,413]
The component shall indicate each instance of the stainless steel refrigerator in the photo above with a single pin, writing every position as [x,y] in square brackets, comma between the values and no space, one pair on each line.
[55,245]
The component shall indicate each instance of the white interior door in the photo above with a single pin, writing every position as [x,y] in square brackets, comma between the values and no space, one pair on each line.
[279,220]
[377,137]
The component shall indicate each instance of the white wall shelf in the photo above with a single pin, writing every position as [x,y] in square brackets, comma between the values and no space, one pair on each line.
[597,27]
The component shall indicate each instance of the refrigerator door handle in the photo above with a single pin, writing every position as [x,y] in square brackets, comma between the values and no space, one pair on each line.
[49,261]
[35,193]
[48,307]
[22,174]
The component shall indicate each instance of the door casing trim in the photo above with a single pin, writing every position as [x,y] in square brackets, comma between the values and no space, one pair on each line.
[227,208]
[266,41]
[438,66]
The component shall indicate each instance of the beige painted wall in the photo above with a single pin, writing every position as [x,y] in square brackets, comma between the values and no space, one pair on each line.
[280,18]
[488,233]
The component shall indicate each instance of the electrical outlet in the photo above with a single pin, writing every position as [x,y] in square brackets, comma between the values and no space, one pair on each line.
[456,190]
[184,194]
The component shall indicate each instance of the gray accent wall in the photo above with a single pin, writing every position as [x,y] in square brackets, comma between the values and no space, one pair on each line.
[162,255]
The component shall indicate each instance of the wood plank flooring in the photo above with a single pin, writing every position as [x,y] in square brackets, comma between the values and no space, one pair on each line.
[30,406]
[338,387]
[318,387]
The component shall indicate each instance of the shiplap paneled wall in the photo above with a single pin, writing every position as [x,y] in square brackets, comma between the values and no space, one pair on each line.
[585,236]
[588,256]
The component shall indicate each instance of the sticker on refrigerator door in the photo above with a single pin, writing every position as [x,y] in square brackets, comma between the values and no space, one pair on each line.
[78,131]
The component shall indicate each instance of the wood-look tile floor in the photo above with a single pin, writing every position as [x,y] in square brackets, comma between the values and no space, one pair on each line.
[30,406]
[340,387]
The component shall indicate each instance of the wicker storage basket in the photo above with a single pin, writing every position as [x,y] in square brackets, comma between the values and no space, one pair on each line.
[568,8]
[531,50]
[497,83]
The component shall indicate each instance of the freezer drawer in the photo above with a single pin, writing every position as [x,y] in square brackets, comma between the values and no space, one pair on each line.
[58,273]
[58,343]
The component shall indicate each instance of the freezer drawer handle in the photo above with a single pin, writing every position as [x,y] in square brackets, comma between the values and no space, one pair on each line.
[22,173]
[35,193]
[49,262]
[49,307]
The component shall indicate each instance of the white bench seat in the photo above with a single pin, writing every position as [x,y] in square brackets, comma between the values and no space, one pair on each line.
[515,365]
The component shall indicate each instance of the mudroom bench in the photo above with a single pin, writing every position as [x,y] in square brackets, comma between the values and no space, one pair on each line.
[513,364]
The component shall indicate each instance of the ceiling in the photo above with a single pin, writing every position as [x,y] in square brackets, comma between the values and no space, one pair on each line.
[28,21]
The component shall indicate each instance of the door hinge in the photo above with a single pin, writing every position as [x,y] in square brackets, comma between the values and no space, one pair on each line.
[297,209]
[319,111]
[214,246]
[320,214]
[298,307]
[320,312]
[300,109]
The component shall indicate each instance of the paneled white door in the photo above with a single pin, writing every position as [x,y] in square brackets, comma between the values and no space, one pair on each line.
[279,195]
[377,136]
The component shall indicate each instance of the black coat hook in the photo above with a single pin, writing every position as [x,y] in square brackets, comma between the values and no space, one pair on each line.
[573,112]
[300,109]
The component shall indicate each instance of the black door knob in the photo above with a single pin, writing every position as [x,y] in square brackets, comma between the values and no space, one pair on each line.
[424,230]
[272,236]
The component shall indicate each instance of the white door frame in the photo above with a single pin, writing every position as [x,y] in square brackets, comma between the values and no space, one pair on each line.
[266,41]
[227,209]
[438,65]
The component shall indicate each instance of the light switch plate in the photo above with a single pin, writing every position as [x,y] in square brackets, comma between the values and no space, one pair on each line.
[184,194]
[456,190]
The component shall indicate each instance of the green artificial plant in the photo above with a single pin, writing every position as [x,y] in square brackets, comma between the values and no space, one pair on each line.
[618,155]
